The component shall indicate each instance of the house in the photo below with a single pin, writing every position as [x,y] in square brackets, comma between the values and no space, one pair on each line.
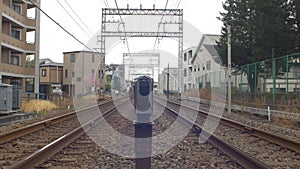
[206,64]
[82,72]
[51,77]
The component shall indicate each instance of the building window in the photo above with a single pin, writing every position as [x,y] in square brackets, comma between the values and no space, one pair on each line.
[29,85]
[15,59]
[185,57]
[199,67]
[208,65]
[66,73]
[72,58]
[73,74]
[17,8]
[16,33]
[16,83]
[78,79]
[93,72]
[44,72]
[190,54]
[93,58]
[100,75]
[185,72]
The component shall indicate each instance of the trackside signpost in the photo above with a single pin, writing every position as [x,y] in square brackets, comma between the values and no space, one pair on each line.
[143,103]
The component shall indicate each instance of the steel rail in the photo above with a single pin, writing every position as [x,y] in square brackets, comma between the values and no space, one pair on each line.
[5,137]
[241,158]
[273,138]
[54,147]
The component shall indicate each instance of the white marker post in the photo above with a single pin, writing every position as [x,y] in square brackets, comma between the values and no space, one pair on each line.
[269,113]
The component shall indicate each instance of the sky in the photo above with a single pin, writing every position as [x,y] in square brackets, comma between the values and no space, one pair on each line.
[202,14]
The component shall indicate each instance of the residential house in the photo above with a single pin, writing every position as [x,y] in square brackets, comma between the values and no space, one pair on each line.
[82,72]
[51,77]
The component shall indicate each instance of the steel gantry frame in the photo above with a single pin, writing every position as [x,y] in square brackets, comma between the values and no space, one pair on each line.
[154,59]
[174,13]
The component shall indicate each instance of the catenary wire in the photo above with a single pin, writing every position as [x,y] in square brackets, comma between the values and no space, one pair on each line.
[123,27]
[79,17]
[73,19]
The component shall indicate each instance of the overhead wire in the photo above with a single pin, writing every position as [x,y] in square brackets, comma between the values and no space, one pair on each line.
[79,17]
[106,3]
[64,29]
[156,40]
[178,3]
[90,36]
[123,26]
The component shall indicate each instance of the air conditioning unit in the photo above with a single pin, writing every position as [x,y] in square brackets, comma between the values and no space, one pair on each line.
[5,97]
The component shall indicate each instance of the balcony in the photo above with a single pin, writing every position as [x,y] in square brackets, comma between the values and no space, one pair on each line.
[17,43]
[8,68]
[30,47]
[20,19]
[13,69]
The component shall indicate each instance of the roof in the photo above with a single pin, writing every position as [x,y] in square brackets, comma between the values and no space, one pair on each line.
[211,49]
[209,40]
[81,51]
[45,60]
[48,63]
[52,64]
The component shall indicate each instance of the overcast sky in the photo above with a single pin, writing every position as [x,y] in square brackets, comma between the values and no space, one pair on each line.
[200,13]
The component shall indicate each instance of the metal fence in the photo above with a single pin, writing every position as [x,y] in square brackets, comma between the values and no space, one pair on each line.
[276,80]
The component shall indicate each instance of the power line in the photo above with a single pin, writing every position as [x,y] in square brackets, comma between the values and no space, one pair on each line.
[178,3]
[174,3]
[78,17]
[64,29]
[160,24]
[123,27]
[73,19]
[106,2]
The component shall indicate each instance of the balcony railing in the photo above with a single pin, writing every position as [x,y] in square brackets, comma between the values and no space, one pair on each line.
[9,68]
[18,17]
[17,43]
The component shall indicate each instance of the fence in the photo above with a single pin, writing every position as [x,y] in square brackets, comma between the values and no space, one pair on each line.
[270,82]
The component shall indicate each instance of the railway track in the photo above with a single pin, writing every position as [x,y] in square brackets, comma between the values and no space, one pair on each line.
[273,150]
[77,150]
[85,153]
[17,144]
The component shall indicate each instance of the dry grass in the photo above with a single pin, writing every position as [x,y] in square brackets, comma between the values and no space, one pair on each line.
[286,105]
[38,106]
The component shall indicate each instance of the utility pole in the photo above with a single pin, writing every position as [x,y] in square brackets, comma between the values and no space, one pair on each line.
[274,75]
[168,82]
[229,68]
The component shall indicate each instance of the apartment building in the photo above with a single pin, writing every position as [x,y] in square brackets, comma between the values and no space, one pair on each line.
[188,78]
[19,39]
[51,77]
[82,72]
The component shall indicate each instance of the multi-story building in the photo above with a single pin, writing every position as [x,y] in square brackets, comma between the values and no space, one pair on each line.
[82,72]
[206,64]
[51,76]
[19,39]
[188,78]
